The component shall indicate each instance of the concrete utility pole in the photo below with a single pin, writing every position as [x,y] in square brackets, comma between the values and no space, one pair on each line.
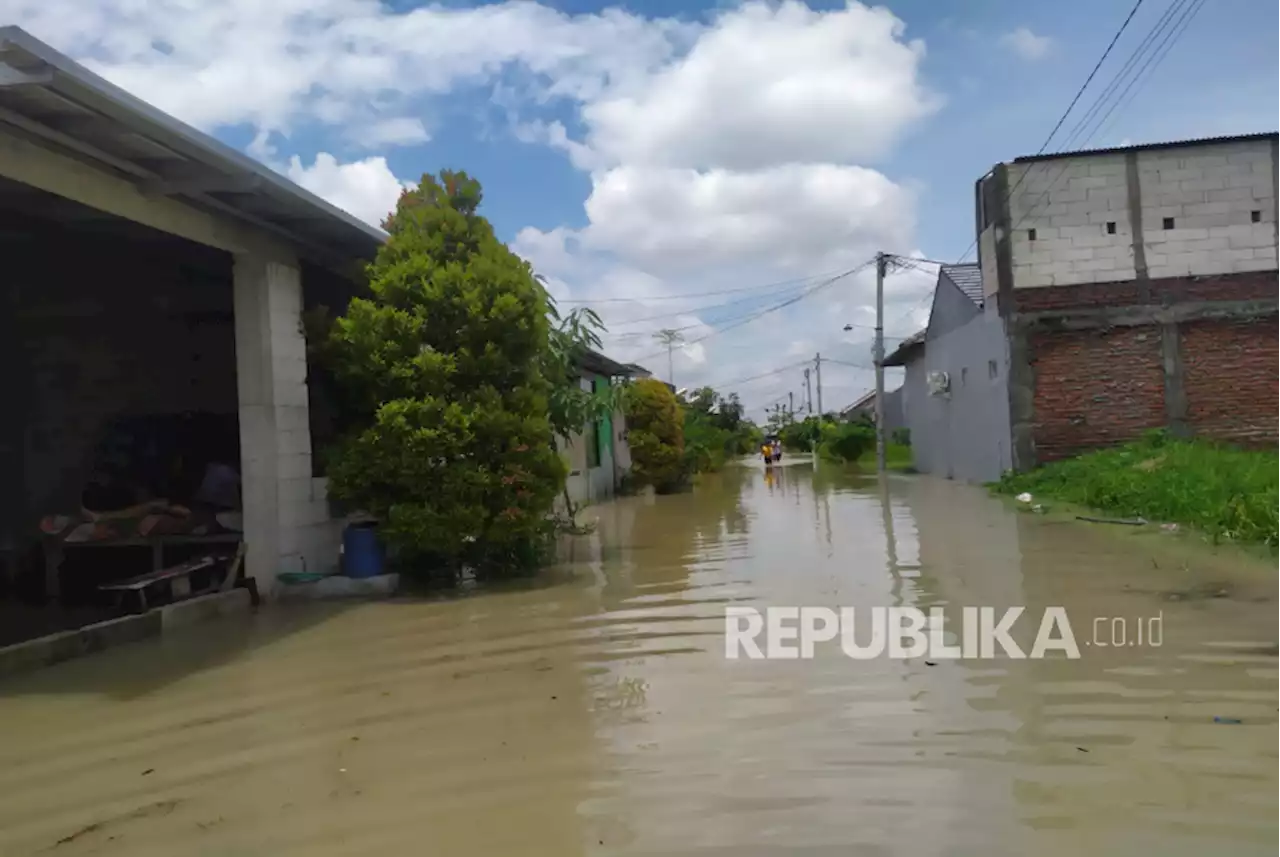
[808,392]
[878,357]
[791,404]
[817,361]
[669,338]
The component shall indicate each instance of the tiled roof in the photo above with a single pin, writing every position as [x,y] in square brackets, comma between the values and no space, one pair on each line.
[968,279]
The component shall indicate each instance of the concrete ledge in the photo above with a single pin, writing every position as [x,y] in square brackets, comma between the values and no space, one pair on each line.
[195,610]
[65,645]
[340,586]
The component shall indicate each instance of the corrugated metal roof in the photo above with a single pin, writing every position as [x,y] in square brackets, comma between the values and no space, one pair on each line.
[1170,144]
[50,98]
[967,278]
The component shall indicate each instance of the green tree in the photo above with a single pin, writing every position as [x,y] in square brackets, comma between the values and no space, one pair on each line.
[446,361]
[571,408]
[655,430]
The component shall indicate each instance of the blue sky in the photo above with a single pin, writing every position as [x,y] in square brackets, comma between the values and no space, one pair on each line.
[637,154]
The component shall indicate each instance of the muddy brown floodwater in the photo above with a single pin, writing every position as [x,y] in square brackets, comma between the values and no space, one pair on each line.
[594,712]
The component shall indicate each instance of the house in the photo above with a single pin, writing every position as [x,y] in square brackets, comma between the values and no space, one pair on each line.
[865,408]
[954,396]
[600,457]
[153,274]
[1137,287]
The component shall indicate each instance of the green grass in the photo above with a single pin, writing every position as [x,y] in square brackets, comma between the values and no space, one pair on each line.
[897,456]
[1226,493]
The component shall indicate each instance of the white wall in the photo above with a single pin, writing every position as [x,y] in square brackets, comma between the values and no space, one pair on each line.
[1210,190]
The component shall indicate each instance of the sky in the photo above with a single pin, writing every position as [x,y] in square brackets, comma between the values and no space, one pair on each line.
[686,165]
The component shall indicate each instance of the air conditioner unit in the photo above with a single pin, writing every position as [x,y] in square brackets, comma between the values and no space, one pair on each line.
[939,383]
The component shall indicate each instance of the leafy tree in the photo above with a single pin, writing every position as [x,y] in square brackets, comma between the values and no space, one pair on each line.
[446,360]
[570,407]
[655,429]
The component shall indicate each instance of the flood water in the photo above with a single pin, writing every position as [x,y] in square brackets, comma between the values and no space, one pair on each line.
[594,712]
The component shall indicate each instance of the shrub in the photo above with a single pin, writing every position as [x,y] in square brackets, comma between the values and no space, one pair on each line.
[655,431]
[846,441]
[455,455]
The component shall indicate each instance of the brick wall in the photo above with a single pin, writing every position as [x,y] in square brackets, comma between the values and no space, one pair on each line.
[1258,285]
[1229,374]
[1095,388]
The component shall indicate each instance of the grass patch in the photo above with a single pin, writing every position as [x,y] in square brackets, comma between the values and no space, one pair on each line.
[897,456]
[1226,493]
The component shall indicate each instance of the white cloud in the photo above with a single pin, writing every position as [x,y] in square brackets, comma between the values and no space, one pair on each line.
[1027,44]
[368,189]
[393,131]
[728,152]
[766,85]
[793,217]
[225,62]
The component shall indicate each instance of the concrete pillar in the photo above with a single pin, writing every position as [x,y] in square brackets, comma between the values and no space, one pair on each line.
[284,519]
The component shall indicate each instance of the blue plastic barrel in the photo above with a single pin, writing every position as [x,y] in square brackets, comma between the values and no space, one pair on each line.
[361,551]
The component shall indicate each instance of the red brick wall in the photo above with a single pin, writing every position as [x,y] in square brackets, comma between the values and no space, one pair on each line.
[1224,287]
[1229,374]
[1095,388]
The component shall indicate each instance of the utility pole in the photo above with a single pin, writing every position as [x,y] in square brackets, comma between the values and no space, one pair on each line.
[817,360]
[791,404]
[878,356]
[669,338]
[808,391]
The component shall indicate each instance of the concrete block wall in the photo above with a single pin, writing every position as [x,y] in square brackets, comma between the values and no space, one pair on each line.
[1059,216]
[1221,199]
[1212,193]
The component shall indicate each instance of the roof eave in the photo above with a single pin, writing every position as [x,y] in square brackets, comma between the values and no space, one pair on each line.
[68,79]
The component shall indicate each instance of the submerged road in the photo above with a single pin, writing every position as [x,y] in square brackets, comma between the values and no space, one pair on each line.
[593,712]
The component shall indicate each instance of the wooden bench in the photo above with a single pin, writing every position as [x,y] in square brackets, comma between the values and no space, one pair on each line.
[56,549]
[178,578]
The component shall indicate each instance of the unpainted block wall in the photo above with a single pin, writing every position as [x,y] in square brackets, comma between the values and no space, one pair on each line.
[1211,193]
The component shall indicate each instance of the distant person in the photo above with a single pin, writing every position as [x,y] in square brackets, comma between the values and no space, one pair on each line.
[766,452]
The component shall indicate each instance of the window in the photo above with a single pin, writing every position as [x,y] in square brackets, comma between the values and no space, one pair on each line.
[1255,216]
[993,369]
[1111,227]
[1168,223]
[1031,235]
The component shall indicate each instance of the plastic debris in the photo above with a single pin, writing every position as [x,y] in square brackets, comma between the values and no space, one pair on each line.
[1228,720]
[1024,497]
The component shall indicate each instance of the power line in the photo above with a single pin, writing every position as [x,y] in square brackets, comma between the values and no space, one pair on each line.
[766,311]
[1123,26]
[765,287]
[737,382]
[1162,25]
